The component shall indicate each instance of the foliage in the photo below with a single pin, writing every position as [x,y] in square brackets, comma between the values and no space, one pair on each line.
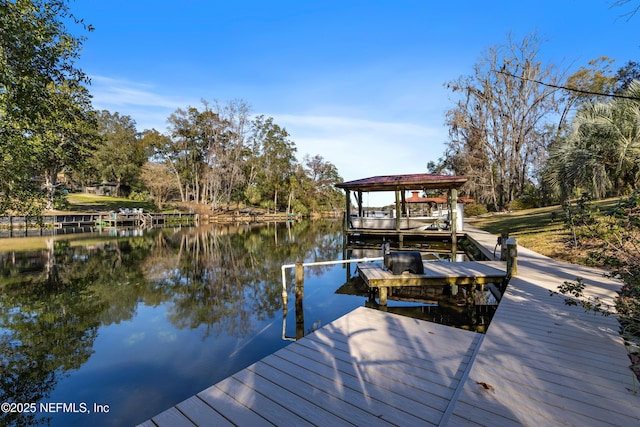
[626,75]
[121,153]
[322,176]
[576,297]
[527,201]
[205,151]
[602,154]
[45,112]
[594,78]
[161,183]
[474,209]
[274,158]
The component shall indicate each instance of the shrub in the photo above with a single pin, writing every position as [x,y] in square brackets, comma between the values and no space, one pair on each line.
[474,209]
[140,196]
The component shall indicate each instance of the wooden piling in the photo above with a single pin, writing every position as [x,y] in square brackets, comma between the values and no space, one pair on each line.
[512,257]
[503,246]
[382,297]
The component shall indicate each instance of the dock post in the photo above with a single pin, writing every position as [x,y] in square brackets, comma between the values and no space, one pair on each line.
[398,211]
[512,257]
[454,216]
[503,246]
[383,295]
[299,296]
[347,217]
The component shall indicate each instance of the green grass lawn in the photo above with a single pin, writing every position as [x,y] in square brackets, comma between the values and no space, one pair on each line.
[83,202]
[541,229]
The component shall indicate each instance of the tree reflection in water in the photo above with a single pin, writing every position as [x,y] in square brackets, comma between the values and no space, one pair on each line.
[214,280]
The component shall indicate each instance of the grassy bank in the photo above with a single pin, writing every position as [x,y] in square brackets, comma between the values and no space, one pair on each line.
[542,230]
[83,202]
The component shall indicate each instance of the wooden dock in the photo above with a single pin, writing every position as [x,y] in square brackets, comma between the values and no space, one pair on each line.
[541,362]
[367,368]
[468,273]
[97,219]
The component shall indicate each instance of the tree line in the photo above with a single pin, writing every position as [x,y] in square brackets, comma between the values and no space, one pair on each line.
[215,154]
[528,134]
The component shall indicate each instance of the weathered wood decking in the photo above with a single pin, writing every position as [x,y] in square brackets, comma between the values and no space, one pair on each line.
[436,273]
[540,363]
[467,273]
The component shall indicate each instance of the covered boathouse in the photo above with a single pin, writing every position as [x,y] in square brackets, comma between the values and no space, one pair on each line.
[400,223]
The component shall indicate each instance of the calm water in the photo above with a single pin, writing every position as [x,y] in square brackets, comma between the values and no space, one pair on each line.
[138,324]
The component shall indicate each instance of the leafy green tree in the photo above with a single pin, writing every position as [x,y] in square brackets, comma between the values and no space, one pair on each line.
[602,154]
[121,153]
[275,158]
[41,95]
[66,138]
[207,150]
[323,175]
[191,134]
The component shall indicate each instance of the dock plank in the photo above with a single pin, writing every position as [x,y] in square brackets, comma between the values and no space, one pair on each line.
[367,368]
[548,363]
[343,402]
[391,392]
[172,418]
[202,414]
[311,410]
[250,396]
[230,408]
[539,363]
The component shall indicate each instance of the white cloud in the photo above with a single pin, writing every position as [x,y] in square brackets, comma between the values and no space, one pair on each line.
[361,148]
[140,101]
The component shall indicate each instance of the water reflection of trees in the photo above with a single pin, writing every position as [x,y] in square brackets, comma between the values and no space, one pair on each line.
[220,278]
[53,302]
[217,279]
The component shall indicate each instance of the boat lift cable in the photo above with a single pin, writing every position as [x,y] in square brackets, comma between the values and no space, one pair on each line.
[310,264]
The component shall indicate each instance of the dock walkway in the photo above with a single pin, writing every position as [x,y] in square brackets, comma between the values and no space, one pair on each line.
[540,363]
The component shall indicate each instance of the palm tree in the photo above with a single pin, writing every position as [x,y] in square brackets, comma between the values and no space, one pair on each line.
[602,153]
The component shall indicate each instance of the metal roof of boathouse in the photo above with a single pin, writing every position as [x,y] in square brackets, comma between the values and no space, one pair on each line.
[418,181]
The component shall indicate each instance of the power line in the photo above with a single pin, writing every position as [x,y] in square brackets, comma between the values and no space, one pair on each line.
[585,92]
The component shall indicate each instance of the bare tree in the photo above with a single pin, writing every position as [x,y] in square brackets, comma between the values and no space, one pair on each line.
[499,123]
[160,182]
[226,152]
[630,14]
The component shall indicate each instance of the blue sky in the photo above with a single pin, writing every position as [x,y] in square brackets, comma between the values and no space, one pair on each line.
[359,82]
